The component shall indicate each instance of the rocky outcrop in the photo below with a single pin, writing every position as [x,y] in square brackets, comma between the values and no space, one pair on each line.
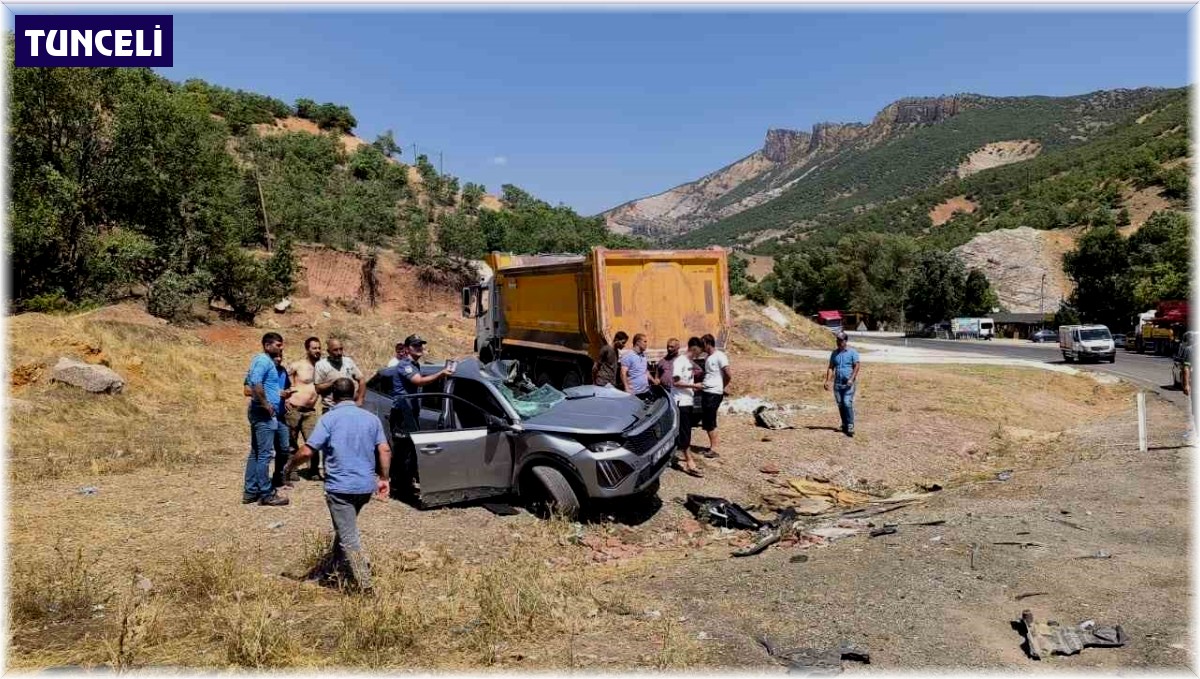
[830,137]
[783,146]
[787,156]
[95,379]
[1016,261]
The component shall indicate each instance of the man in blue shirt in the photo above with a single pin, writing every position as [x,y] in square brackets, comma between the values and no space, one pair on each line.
[357,464]
[635,373]
[268,432]
[843,372]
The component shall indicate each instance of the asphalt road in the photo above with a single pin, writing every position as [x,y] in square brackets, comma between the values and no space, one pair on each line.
[1151,372]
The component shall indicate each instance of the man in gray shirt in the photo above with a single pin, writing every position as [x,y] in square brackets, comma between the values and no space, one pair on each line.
[335,365]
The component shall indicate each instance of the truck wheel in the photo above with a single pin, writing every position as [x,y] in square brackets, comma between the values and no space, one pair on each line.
[1067,358]
[572,379]
[559,497]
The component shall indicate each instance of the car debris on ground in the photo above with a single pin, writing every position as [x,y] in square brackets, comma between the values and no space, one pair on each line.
[814,662]
[1043,639]
[768,417]
[721,512]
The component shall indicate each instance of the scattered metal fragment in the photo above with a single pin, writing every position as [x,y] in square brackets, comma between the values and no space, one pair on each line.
[1020,544]
[1029,594]
[1064,522]
[1004,475]
[1100,554]
[974,554]
[885,530]
[1043,639]
[815,662]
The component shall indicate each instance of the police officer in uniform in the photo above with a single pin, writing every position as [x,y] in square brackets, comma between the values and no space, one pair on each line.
[407,381]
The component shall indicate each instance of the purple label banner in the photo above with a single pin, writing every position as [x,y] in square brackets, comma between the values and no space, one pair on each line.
[93,40]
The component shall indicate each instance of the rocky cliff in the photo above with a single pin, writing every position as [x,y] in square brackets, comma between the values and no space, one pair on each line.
[787,156]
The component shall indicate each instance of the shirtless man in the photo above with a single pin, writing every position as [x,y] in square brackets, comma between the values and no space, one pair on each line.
[302,404]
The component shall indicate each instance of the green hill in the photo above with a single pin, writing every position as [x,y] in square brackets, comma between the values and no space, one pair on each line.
[914,157]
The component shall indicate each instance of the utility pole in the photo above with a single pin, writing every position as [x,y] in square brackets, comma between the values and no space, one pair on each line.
[440,163]
[1042,301]
[414,151]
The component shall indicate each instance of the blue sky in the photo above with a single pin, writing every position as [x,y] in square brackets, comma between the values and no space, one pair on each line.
[594,109]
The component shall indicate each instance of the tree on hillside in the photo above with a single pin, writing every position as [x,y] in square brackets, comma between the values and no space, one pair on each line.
[874,266]
[132,184]
[1159,259]
[459,235]
[1175,183]
[1099,267]
[978,299]
[416,233]
[738,285]
[936,287]
[386,144]
[472,196]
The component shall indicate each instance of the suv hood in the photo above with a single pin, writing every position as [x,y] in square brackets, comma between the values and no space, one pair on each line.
[590,410]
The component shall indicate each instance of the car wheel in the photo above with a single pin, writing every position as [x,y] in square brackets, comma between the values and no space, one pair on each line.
[1112,359]
[558,497]
[1067,358]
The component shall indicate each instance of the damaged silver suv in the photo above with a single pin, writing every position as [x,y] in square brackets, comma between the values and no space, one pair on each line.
[485,432]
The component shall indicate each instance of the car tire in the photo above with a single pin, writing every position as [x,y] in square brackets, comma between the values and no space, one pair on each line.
[1067,357]
[560,497]
[1112,359]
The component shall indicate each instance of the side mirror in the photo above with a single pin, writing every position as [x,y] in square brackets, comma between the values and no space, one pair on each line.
[495,424]
[466,303]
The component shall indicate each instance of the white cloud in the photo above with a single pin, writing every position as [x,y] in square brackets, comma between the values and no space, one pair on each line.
[500,160]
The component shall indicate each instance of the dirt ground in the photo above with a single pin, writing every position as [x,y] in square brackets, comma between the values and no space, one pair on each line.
[464,588]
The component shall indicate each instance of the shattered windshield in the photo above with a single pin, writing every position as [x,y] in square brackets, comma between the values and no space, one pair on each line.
[528,400]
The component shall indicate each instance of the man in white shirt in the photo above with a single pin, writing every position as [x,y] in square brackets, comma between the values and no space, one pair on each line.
[683,387]
[328,370]
[716,380]
[401,352]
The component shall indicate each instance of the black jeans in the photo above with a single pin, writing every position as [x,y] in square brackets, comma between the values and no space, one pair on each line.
[404,454]
[684,439]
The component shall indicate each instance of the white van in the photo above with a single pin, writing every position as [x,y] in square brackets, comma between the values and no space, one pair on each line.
[1080,342]
[987,328]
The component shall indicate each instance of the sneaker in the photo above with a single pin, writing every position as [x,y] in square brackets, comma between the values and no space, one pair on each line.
[275,500]
[850,433]
[249,499]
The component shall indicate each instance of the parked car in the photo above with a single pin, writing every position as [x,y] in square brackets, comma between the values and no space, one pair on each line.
[1044,335]
[484,432]
[1119,340]
[1181,354]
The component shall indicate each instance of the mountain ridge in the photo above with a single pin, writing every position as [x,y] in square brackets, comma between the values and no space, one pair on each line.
[788,156]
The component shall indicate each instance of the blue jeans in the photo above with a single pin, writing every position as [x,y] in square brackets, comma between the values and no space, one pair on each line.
[844,395]
[268,436]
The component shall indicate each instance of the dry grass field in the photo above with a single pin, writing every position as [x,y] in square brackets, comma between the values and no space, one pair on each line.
[160,565]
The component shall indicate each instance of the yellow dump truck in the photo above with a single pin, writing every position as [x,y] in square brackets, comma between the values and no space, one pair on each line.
[554,312]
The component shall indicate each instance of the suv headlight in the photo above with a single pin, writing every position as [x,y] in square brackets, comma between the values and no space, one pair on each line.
[604,446]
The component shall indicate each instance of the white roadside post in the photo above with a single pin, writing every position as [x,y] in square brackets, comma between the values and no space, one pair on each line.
[1141,408]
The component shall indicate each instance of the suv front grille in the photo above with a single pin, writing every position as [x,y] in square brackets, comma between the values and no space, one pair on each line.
[645,440]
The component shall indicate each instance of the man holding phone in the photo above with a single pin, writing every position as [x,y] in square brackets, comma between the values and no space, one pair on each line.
[407,381]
